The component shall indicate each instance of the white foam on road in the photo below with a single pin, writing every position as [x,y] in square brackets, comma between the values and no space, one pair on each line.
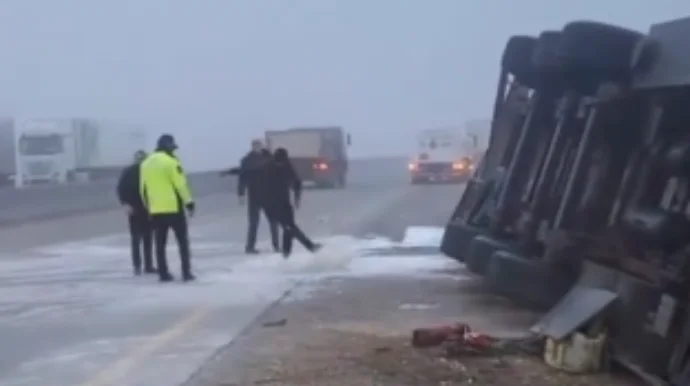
[91,282]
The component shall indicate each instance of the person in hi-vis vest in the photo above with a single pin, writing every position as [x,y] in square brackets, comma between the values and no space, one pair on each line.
[168,199]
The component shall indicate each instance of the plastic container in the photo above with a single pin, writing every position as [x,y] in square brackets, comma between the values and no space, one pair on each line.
[576,354]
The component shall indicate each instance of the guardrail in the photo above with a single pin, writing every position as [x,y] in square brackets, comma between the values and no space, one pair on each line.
[54,201]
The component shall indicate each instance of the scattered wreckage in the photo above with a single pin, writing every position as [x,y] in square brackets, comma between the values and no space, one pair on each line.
[581,205]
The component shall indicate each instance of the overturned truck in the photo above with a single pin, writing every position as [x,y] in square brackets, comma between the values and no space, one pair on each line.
[582,202]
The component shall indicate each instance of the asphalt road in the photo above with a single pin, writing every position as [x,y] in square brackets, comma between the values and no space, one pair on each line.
[71,314]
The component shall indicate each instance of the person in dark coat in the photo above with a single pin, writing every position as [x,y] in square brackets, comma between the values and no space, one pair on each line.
[247,186]
[277,179]
[140,229]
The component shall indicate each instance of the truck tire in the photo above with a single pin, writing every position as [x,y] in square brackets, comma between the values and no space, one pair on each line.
[603,48]
[545,55]
[517,55]
[457,237]
[480,251]
[527,282]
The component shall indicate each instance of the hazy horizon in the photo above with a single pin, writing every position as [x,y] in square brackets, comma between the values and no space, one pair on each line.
[217,73]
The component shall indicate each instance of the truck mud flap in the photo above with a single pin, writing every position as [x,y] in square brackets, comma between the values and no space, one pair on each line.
[579,306]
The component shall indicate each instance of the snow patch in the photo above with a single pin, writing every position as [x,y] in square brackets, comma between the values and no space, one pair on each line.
[335,256]
[419,236]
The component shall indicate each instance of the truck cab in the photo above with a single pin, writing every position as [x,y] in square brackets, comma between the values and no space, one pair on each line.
[43,154]
[443,155]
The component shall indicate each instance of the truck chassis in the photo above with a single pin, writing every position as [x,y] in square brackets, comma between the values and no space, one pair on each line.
[582,203]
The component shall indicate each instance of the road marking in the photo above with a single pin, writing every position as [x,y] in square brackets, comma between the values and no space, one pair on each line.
[113,374]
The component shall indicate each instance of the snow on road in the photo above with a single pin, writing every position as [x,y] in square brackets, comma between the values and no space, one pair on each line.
[73,314]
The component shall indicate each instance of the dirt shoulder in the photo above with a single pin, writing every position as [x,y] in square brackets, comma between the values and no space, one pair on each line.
[356,332]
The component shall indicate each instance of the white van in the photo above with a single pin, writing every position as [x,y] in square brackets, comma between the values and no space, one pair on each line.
[443,155]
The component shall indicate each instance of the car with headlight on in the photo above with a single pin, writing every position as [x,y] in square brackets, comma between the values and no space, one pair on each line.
[443,155]
[426,172]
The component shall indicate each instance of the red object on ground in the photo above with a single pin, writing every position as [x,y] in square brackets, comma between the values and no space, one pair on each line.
[459,333]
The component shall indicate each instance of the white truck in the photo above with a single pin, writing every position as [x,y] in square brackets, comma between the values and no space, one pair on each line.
[318,154]
[443,155]
[61,150]
[8,149]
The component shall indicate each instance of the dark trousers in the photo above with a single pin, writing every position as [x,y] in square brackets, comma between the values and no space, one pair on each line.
[253,210]
[284,215]
[178,223]
[140,236]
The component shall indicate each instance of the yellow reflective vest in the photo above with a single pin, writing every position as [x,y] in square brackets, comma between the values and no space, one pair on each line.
[163,184]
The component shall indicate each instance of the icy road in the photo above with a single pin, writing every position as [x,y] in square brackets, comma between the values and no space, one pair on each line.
[71,313]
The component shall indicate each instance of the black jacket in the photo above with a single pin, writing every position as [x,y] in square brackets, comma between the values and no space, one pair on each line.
[273,180]
[128,189]
[248,181]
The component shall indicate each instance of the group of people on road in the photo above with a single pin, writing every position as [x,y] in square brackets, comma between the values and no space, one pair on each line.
[155,193]
[268,179]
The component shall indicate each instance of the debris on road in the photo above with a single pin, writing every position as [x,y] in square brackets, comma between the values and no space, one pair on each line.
[353,358]
[275,323]
[353,333]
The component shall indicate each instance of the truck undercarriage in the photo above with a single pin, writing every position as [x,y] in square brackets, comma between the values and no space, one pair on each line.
[582,203]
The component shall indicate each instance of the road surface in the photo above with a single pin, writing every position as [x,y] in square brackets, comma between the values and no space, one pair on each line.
[71,314]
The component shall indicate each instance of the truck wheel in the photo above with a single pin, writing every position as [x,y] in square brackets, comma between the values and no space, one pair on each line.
[481,249]
[517,58]
[456,239]
[545,55]
[517,55]
[527,282]
[602,48]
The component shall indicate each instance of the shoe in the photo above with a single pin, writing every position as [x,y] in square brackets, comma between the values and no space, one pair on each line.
[166,277]
[286,254]
[137,271]
[316,247]
[150,270]
[188,277]
[252,251]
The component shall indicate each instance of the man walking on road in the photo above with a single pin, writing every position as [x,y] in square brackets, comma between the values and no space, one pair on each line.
[276,179]
[139,222]
[168,198]
[248,185]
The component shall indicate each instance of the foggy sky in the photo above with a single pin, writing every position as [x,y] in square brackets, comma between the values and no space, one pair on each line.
[216,73]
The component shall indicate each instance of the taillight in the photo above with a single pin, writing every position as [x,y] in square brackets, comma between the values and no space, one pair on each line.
[320,166]
[459,166]
[412,166]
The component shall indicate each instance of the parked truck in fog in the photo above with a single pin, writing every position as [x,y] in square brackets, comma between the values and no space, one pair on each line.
[318,154]
[61,150]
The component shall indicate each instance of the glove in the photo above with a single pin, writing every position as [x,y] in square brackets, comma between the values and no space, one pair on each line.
[190,208]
